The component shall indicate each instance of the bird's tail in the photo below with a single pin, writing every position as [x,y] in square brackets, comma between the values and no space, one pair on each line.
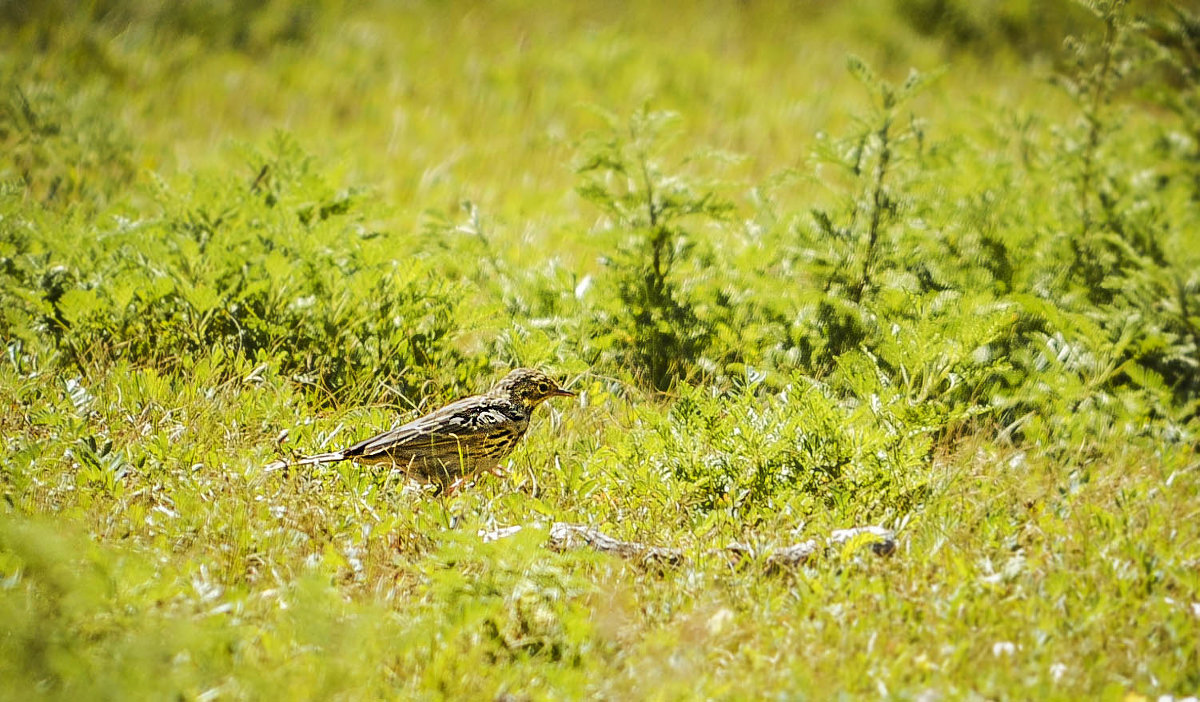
[314,460]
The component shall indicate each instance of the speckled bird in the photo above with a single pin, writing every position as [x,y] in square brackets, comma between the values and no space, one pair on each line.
[460,439]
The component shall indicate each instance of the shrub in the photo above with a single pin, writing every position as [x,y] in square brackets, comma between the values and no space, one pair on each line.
[277,268]
[654,215]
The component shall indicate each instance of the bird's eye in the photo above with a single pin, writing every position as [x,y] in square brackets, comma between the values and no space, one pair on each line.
[543,387]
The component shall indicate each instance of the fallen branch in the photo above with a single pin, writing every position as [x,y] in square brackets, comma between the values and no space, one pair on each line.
[565,537]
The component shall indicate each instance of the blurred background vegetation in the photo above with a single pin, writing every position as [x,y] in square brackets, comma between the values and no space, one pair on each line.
[925,263]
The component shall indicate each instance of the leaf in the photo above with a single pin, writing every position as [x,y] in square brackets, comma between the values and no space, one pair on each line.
[76,305]
[860,70]
[202,298]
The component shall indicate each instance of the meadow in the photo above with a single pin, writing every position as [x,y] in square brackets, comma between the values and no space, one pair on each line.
[926,265]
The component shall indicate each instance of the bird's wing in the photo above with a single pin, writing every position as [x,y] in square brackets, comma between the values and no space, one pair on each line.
[449,433]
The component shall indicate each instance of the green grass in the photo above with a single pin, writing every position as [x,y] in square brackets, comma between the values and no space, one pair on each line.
[918,265]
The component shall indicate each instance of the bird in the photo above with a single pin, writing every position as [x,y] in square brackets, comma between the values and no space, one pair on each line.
[452,443]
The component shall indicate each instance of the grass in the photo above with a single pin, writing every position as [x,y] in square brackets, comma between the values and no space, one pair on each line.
[958,301]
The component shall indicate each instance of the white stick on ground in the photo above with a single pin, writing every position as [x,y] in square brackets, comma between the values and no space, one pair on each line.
[564,537]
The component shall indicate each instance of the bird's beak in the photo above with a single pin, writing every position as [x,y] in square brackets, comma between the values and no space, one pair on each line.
[559,392]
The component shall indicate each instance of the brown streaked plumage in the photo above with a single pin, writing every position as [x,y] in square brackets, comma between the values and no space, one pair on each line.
[460,439]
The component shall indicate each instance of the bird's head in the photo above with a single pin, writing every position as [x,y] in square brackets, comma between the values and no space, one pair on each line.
[529,388]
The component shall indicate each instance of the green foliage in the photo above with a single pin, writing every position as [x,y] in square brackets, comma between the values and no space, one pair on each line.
[1100,245]
[991,26]
[1174,293]
[278,268]
[853,253]
[509,602]
[1175,42]
[238,24]
[657,326]
[230,231]
[481,606]
[63,148]
[746,453]
[1125,248]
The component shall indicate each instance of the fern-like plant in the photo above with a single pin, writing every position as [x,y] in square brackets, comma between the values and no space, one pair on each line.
[654,213]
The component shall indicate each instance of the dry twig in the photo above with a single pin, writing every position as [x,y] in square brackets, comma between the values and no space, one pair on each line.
[564,537]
